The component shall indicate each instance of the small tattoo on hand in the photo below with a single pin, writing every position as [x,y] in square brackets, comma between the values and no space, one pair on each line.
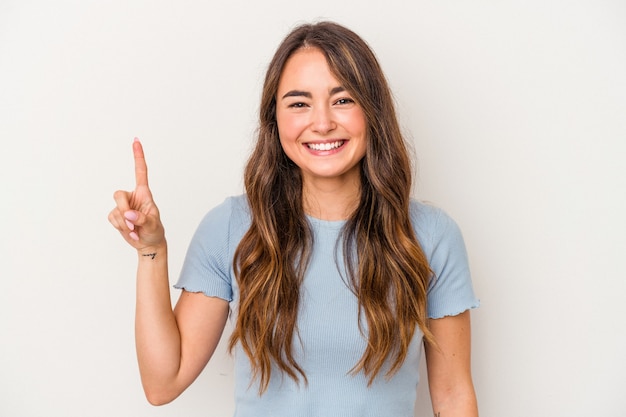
[151,255]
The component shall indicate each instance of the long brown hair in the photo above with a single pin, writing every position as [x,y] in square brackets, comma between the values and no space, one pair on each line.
[390,273]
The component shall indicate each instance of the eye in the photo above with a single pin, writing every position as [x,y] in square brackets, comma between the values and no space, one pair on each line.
[344,101]
[297,105]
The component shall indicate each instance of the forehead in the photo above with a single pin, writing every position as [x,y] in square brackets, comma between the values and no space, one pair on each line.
[306,67]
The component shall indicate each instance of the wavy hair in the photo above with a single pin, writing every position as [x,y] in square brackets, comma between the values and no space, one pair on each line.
[387,269]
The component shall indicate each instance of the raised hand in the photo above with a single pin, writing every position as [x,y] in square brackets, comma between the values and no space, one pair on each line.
[136,216]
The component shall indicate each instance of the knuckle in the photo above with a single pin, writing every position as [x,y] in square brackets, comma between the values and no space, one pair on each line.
[119,194]
[113,218]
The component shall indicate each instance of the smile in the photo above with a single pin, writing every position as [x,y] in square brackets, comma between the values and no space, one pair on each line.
[328,146]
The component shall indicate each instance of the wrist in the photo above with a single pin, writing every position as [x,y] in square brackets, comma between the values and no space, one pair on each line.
[152,252]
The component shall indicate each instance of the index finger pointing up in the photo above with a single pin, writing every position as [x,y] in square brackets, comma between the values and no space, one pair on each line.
[141,169]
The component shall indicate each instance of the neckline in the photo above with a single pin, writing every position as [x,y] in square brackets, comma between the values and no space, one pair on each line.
[329,224]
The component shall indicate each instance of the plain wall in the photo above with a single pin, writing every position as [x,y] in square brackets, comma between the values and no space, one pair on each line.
[517,113]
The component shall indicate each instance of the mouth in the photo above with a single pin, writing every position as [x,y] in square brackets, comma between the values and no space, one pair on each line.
[326,146]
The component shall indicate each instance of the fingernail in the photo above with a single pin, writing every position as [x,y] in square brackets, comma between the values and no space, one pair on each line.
[131,215]
[134,236]
[130,225]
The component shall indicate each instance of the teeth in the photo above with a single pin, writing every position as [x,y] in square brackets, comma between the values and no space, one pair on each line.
[325,146]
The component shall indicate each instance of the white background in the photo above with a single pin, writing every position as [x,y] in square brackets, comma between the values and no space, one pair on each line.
[517,112]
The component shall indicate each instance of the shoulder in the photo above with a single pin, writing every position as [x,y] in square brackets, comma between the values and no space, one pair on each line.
[439,235]
[226,222]
[423,212]
[450,290]
[233,209]
[232,206]
[431,223]
[207,267]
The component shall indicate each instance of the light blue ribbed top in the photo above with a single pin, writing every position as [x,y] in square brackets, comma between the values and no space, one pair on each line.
[330,342]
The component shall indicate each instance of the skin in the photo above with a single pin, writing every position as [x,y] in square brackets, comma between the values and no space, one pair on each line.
[314,110]
[174,345]
[449,371]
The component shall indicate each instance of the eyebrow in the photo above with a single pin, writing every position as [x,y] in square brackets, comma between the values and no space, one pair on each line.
[298,93]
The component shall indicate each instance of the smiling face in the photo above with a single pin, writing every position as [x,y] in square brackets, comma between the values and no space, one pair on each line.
[321,128]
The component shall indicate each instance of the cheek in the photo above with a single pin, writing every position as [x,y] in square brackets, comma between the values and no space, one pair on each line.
[286,135]
[289,128]
[354,122]
[360,122]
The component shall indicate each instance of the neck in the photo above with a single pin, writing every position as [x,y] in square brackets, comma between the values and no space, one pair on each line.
[330,200]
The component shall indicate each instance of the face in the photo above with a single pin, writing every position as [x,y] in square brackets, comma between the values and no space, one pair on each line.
[322,129]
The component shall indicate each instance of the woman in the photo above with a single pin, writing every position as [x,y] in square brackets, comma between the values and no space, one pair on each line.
[335,278]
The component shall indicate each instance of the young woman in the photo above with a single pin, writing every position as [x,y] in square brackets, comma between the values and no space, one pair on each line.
[333,276]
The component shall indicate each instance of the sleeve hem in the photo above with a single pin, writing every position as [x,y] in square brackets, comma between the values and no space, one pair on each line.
[214,294]
[456,313]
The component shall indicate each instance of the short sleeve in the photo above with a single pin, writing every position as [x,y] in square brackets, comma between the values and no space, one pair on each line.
[207,265]
[450,291]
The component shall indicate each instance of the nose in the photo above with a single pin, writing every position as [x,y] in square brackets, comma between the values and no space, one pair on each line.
[322,120]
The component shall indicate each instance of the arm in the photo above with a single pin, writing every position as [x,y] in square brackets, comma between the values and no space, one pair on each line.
[449,371]
[173,346]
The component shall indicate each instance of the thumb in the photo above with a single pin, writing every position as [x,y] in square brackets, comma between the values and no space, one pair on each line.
[136,218]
